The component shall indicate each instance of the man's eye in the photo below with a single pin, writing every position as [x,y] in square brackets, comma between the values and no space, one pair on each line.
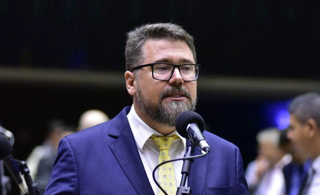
[162,68]
[187,68]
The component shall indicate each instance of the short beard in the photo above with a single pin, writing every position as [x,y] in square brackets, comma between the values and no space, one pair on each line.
[162,113]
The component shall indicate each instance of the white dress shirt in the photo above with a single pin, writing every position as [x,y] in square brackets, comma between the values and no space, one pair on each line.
[149,152]
[273,183]
[315,183]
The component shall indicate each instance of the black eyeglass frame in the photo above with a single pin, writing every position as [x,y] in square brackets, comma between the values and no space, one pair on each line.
[174,67]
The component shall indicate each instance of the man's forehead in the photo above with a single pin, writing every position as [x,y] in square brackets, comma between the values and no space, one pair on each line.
[293,119]
[163,43]
[164,50]
[267,143]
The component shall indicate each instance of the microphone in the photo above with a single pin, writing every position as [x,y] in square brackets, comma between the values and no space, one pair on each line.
[190,125]
[9,161]
[8,134]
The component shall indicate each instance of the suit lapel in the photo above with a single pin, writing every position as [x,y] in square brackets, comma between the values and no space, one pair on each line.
[126,153]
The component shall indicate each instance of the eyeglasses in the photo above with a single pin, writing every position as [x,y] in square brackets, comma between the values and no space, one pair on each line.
[164,71]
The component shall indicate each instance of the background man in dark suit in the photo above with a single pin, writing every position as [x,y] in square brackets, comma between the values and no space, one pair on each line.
[304,132]
[118,157]
[295,171]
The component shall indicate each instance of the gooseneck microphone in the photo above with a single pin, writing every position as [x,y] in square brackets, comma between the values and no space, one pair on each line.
[190,125]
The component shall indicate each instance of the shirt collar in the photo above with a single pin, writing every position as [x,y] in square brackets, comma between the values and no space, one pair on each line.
[142,132]
[286,159]
[316,165]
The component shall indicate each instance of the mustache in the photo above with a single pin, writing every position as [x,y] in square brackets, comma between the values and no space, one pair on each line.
[175,90]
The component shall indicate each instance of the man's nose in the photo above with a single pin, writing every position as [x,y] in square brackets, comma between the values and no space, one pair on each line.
[176,77]
[176,73]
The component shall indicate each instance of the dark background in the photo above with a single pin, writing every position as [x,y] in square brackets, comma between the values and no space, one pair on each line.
[255,56]
[240,38]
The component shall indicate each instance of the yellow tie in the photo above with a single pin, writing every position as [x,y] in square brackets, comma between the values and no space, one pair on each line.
[166,177]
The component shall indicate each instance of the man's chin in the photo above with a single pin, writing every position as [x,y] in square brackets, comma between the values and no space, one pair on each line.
[175,107]
[175,103]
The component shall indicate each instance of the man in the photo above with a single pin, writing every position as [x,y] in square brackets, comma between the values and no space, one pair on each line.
[304,133]
[118,157]
[265,176]
[294,171]
[49,147]
[43,156]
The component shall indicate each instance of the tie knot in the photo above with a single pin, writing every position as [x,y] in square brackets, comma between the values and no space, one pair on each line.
[164,143]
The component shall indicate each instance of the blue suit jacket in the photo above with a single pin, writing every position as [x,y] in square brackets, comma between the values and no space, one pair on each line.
[294,176]
[104,160]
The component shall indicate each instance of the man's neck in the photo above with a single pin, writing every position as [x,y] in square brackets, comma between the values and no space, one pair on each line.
[163,129]
[316,147]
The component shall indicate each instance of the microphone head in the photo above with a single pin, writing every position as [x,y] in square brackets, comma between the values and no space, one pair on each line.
[5,147]
[185,118]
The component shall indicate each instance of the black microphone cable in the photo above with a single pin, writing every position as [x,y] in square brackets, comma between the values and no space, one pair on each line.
[173,160]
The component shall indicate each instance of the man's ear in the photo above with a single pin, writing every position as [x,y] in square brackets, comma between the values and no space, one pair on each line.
[313,128]
[130,81]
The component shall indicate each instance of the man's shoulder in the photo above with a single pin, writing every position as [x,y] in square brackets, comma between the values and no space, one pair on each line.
[215,140]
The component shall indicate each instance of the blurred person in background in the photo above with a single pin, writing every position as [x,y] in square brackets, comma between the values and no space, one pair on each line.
[91,118]
[304,132]
[53,134]
[264,175]
[46,162]
[295,170]
[47,152]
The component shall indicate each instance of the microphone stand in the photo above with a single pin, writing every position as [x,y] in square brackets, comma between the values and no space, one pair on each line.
[4,180]
[183,189]
[21,167]
[32,187]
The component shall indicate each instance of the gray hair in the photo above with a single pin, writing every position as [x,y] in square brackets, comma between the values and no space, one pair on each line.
[305,107]
[270,135]
[137,37]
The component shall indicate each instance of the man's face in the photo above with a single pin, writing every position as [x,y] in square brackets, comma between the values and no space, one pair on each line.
[299,135]
[269,151]
[162,101]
